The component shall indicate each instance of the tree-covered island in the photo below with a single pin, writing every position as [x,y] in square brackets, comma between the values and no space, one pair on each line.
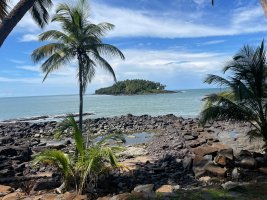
[134,87]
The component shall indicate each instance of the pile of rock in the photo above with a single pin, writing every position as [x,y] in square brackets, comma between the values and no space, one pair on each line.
[182,149]
[13,160]
[224,164]
[20,130]
[8,193]
[169,170]
[145,192]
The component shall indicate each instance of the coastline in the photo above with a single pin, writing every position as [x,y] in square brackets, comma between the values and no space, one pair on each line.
[146,93]
[227,132]
[174,155]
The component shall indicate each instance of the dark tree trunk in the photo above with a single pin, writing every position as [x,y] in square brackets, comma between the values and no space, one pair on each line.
[12,19]
[81,96]
[264,6]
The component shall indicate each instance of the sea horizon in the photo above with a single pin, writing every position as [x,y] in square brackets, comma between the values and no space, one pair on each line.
[186,103]
[73,94]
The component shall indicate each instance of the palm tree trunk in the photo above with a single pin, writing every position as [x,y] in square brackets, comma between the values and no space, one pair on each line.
[15,15]
[264,6]
[81,96]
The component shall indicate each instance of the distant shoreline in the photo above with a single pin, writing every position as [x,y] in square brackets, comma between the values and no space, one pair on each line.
[146,93]
[88,94]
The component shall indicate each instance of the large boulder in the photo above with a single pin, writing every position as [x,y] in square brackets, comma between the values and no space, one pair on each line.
[199,165]
[248,163]
[165,189]
[263,170]
[230,185]
[4,190]
[216,170]
[224,157]
[209,149]
[146,190]
[46,184]
[14,196]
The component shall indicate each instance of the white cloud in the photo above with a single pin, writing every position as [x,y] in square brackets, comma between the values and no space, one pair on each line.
[155,65]
[200,2]
[134,23]
[29,38]
[30,68]
[167,61]
[212,42]
[16,61]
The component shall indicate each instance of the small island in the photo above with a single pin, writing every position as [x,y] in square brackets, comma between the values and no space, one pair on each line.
[134,87]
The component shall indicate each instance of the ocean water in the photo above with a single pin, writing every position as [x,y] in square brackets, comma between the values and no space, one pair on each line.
[186,103]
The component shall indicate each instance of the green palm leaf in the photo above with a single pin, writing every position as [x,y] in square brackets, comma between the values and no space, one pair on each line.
[246,99]
[57,158]
[78,39]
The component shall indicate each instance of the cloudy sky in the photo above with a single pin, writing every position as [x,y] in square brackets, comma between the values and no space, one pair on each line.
[175,42]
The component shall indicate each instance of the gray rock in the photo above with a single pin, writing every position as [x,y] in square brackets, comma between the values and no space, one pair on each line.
[230,185]
[46,184]
[147,190]
[248,163]
[235,173]
[6,140]
[199,166]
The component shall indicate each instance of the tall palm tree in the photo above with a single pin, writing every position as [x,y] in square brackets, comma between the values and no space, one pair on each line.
[80,40]
[37,8]
[246,98]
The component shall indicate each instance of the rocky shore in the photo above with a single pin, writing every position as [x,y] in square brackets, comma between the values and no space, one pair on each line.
[181,154]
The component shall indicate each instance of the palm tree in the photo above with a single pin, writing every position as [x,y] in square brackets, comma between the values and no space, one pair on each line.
[80,40]
[245,100]
[37,8]
[88,163]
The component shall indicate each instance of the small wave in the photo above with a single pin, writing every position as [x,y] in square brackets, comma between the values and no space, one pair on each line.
[44,117]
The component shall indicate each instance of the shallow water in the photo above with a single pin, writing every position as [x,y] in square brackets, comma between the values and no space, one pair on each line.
[135,138]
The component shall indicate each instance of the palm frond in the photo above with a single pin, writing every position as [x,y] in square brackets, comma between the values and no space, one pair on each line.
[55,35]
[57,158]
[109,50]
[45,51]
[247,85]
[220,108]
[55,61]
[214,79]
[253,134]
[98,30]
[3,8]
[40,13]
[105,65]
[69,122]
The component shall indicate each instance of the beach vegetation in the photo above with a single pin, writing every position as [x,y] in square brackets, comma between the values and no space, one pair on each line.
[131,87]
[83,168]
[79,40]
[245,100]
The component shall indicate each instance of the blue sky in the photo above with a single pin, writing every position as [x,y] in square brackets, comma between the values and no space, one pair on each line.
[175,42]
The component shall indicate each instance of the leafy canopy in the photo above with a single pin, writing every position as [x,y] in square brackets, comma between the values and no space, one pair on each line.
[245,99]
[78,39]
[129,87]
